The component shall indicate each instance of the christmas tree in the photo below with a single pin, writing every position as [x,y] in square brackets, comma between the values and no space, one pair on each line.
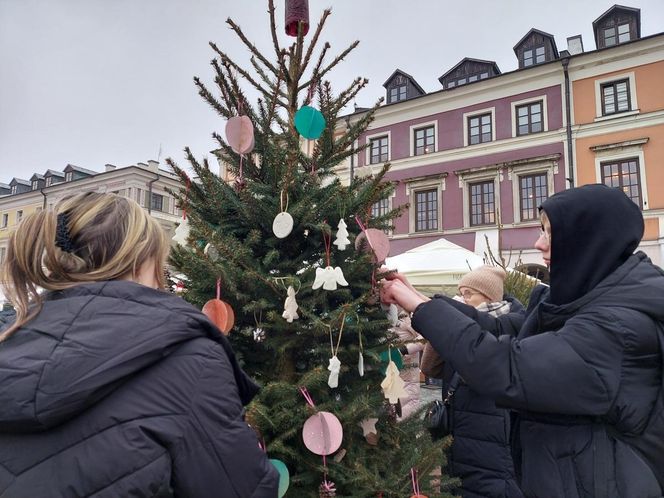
[278,245]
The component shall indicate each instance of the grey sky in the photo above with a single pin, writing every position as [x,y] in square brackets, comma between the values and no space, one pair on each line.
[91,82]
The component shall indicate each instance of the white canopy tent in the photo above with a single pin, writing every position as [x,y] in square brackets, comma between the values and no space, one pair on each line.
[435,265]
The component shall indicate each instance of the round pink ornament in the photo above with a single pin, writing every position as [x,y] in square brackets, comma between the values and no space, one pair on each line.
[240,134]
[374,241]
[322,433]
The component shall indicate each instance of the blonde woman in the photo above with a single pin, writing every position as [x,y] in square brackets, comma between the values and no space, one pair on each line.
[110,386]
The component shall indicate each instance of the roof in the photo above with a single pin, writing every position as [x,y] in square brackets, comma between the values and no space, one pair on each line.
[403,73]
[52,172]
[539,32]
[632,10]
[72,167]
[20,181]
[469,59]
[36,176]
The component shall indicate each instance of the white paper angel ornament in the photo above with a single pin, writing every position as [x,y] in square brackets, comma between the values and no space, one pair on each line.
[328,278]
[290,306]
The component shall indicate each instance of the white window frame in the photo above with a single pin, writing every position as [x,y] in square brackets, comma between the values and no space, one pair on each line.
[412,137]
[468,115]
[615,153]
[514,174]
[484,175]
[599,116]
[367,151]
[531,100]
[69,176]
[417,185]
[19,216]
[5,220]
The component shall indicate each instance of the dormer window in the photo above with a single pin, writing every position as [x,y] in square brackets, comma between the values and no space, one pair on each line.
[616,34]
[533,56]
[35,184]
[468,71]
[69,176]
[49,181]
[398,93]
[14,189]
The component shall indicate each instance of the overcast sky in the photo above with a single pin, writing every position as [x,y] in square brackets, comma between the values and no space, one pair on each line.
[90,82]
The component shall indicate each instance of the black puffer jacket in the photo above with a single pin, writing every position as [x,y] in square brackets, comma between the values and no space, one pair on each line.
[481,454]
[116,389]
[585,372]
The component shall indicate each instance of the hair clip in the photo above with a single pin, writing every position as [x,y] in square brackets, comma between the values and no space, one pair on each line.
[62,236]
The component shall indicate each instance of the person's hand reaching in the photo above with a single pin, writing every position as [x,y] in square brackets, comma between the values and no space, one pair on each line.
[396,292]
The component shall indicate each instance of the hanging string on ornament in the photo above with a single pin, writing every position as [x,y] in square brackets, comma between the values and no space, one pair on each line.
[283,222]
[220,312]
[341,241]
[372,240]
[182,231]
[259,332]
[416,484]
[309,122]
[335,365]
[240,181]
[297,14]
[393,385]
[328,277]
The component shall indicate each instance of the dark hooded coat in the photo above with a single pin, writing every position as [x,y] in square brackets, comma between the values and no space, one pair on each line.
[585,371]
[119,390]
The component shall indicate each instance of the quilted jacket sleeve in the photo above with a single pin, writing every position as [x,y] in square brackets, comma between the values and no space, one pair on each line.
[218,454]
[575,370]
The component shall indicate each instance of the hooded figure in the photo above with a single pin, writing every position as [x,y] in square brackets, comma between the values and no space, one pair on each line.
[584,373]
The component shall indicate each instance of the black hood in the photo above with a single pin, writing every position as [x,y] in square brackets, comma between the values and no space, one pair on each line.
[86,342]
[594,230]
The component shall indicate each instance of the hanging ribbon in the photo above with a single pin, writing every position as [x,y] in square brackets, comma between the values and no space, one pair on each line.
[219,288]
[327,240]
[364,229]
[416,485]
[307,397]
[281,200]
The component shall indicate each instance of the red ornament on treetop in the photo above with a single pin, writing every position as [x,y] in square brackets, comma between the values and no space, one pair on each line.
[297,11]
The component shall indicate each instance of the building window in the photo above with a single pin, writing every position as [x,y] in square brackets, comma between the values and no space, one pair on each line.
[378,150]
[398,93]
[5,220]
[14,189]
[482,203]
[35,184]
[19,216]
[529,118]
[69,176]
[624,174]
[533,191]
[616,34]
[424,140]
[535,55]
[426,210]
[615,97]
[49,181]
[479,129]
[380,208]
[157,202]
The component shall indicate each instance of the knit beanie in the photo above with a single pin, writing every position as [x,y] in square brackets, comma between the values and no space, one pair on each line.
[488,280]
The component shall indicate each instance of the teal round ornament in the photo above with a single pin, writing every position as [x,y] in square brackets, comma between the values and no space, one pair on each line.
[396,358]
[309,122]
[284,476]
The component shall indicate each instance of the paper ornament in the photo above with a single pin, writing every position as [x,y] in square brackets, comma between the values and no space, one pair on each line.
[211,252]
[282,225]
[342,236]
[240,134]
[290,306]
[369,430]
[360,364]
[221,314]
[391,313]
[393,355]
[374,241]
[297,11]
[334,367]
[328,278]
[284,476]
[322,433]
[182,233]
[259,334]
[393,384]
[309,122]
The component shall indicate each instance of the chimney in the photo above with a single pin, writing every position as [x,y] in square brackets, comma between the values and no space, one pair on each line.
[109,167]
[153,165]
[575,45]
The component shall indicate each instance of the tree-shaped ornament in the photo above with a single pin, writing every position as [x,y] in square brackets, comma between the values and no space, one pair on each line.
[341,240]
